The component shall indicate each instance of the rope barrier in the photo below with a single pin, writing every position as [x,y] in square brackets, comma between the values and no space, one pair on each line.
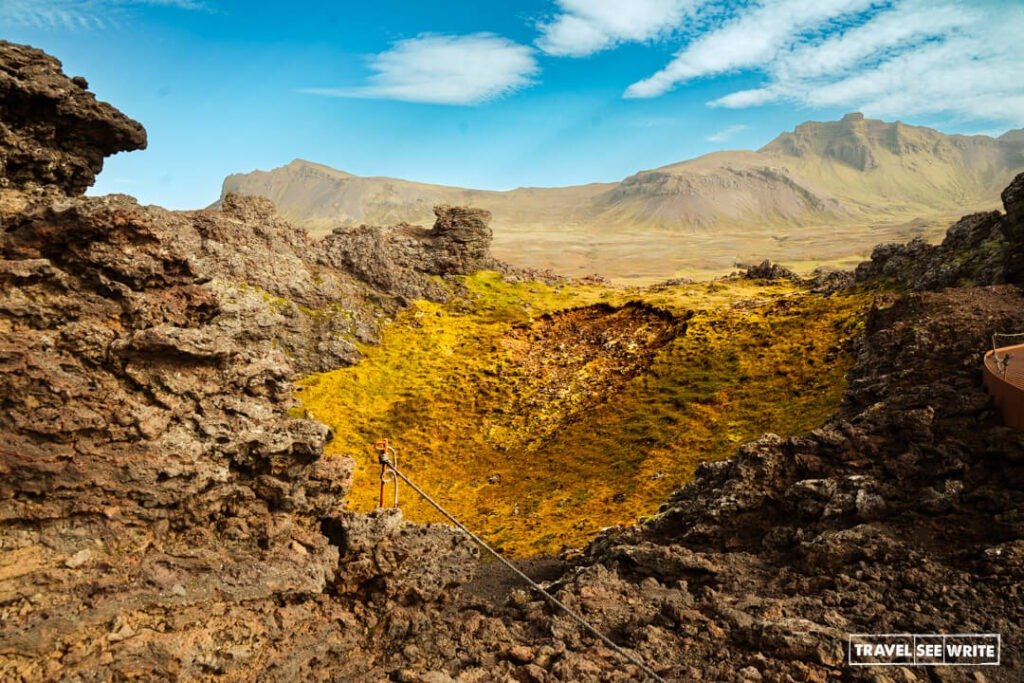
[633,659]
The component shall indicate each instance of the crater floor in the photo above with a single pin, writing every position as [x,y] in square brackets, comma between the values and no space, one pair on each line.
[539,414]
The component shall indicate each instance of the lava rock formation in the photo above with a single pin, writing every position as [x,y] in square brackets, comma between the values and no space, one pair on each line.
[163,517]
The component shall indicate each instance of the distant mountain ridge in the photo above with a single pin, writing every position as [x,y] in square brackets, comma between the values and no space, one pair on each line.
[822,176]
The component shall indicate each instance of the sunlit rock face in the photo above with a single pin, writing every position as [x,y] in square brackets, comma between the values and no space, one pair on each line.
[53,131]
[979,249]
[163,515]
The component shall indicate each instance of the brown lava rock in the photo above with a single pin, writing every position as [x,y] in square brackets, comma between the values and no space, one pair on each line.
[163,517]
[53,131]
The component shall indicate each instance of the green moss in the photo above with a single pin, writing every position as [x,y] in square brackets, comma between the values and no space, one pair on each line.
[444,383]
[329,313]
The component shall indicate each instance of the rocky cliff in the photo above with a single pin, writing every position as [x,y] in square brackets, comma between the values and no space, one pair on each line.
[162,515]
[164,518]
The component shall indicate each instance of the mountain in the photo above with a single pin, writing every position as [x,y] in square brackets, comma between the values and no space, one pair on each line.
[320,198]
[822,194]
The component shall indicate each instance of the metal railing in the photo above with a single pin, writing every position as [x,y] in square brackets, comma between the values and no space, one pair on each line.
[1004,379]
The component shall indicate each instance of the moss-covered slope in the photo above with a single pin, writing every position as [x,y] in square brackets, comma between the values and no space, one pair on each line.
[539,414]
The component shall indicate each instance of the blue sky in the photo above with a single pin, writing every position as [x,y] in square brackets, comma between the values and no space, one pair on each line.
[506,94]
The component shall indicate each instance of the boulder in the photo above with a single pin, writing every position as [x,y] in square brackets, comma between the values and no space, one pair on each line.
[766,270]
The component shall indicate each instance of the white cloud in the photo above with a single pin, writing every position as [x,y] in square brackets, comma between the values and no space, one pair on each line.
[747,98]
[584,27]
[726,133]
[751,39]
[914,58]
[181,4]
[76,15]
[883,57]
[467,69]
[905,26]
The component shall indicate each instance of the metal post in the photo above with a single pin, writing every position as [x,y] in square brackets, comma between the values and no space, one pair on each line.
[385,453]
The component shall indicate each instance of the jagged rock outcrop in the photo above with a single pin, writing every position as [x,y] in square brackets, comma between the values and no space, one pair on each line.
[831,280]
[400,259]
[1012,228]
[53,131]
[161,514]
[766,270]
[979,249]
[467,231]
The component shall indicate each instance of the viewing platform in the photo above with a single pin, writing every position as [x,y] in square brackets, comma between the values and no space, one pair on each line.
[1007,388]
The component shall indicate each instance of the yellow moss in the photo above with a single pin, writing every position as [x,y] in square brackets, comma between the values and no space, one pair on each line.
[756,357]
